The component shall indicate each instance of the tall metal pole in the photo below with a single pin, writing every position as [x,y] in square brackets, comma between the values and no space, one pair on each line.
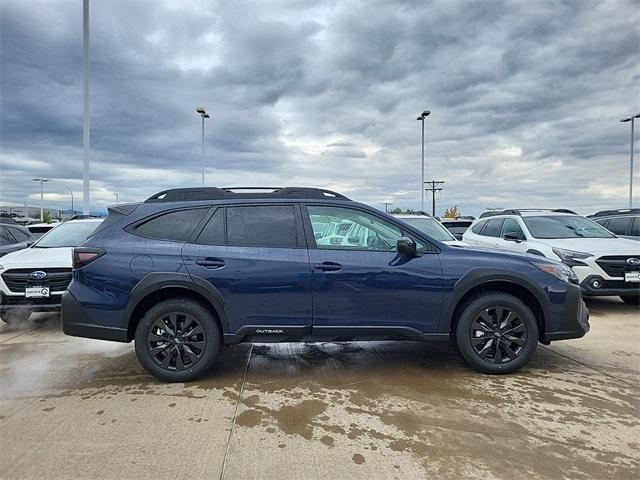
[631,169]
[202,150]
[632,120]
[73,210]
[85,107]
[41,180]
[422,179]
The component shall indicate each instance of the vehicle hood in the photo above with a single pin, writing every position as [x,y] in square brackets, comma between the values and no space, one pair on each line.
[38,258]
[597,246]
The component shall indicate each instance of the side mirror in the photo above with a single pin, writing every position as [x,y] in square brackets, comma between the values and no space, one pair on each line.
[407,246]
[512,237]
[30,243]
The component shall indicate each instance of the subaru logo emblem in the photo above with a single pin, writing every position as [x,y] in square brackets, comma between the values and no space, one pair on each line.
[38,275]
[634,262]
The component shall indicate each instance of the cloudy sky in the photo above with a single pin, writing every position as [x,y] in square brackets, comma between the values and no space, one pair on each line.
[526,98]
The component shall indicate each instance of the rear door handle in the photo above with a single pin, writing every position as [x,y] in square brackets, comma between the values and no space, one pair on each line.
[328,266]
[210,262]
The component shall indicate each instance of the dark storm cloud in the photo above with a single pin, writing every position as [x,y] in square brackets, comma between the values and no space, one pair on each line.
[526,98]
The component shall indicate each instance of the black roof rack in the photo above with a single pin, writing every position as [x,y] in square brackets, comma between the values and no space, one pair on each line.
[215,193]
[513,211]
[618,211]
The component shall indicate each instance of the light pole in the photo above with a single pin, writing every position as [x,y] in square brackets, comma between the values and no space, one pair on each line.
[625,120]
[116,197]
[421,118]
[204,115]
[85,107]
[73,211]
[41,180]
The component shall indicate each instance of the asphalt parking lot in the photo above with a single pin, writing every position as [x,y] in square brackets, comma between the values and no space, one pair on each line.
[76,408]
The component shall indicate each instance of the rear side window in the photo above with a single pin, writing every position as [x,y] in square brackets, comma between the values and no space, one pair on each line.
[635,228]
[176,226]
[478,227]
[262,226]
[213,232]
[493,228]
[512,227]
[5,238]
[618,225]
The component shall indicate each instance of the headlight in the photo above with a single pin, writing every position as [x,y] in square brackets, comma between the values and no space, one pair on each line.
[571,258]
[559,271]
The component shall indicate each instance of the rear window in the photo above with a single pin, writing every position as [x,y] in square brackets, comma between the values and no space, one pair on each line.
[175,226]
[262,226]
[18,234]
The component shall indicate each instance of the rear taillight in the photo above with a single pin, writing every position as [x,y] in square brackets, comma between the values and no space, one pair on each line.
[83,256]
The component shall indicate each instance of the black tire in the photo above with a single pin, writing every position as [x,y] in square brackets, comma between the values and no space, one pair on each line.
[631,299]
[482,341]
[15,317]
[167,351]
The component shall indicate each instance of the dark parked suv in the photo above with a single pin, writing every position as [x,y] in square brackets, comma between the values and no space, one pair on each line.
[191,269]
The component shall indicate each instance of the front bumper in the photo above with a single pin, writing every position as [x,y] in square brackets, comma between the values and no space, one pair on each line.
[568,316]
[20,302]
[608,287]
[73,315]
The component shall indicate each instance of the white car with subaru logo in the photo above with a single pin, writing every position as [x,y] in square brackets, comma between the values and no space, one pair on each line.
[34,279]
[604,263]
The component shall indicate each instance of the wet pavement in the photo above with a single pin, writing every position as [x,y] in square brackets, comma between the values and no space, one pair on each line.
[77,408]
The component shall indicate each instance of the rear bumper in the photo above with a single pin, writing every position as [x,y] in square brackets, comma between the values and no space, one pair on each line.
[73,315]
[569,319]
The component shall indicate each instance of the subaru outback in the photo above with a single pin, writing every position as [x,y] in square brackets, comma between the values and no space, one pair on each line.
[189,270]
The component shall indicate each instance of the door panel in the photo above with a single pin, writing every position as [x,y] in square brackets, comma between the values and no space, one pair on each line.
[260,286]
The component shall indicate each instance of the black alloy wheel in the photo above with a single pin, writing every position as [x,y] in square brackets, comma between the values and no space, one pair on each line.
[498,335]
[176,341]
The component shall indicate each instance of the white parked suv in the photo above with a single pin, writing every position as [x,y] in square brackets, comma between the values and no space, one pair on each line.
[429,225]
[34,279]
[604,263]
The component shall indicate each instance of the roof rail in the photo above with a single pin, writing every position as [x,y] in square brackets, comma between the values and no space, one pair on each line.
[513,211]
[215,193]
[617,211]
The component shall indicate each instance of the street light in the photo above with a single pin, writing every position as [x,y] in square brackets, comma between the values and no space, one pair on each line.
[86,128]
[204,115]
[625,120]
[41,180]
[116,197]
[73,211]
[421,118]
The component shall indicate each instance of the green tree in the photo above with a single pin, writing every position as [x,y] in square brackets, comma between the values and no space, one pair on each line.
[46,217]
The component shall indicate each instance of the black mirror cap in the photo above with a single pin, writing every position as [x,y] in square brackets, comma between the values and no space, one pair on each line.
[407,246]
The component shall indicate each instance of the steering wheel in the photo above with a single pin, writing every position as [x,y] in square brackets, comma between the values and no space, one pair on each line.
[377,243]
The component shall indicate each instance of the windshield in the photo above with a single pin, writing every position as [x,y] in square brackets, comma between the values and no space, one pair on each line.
[565,226]
[430,226]
[69,234]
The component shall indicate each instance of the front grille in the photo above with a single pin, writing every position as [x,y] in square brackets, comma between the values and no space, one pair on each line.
[616,265]
[18,279]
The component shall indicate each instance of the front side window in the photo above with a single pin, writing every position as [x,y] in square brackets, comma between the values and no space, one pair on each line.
[619,225]
[175,226]
[565,226]
[262,226]
[512,228]
[355,230]
[635,228]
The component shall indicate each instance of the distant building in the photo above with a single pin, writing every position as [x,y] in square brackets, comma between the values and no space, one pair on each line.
[18,210]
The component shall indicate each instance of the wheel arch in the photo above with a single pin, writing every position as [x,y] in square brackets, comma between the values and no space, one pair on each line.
[156,287]
[517,287]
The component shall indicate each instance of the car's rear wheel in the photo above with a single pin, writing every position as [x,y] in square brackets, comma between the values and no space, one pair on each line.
[15,317]
[177,340]
[497,333]
[631,299]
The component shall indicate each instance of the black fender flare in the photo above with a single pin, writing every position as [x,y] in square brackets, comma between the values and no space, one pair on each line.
[160,280]
[481,275]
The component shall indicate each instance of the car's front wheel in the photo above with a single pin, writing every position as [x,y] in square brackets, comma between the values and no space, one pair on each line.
[177,340]
[15,317]
[496,333]
[631,299]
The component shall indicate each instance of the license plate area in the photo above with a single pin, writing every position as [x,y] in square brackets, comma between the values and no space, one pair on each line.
[632,276]
[36,292]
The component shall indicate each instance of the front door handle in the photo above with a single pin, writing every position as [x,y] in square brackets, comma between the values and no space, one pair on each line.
[210,262]
[328,266]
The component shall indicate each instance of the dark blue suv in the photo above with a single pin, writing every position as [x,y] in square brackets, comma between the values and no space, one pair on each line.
[191,269]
